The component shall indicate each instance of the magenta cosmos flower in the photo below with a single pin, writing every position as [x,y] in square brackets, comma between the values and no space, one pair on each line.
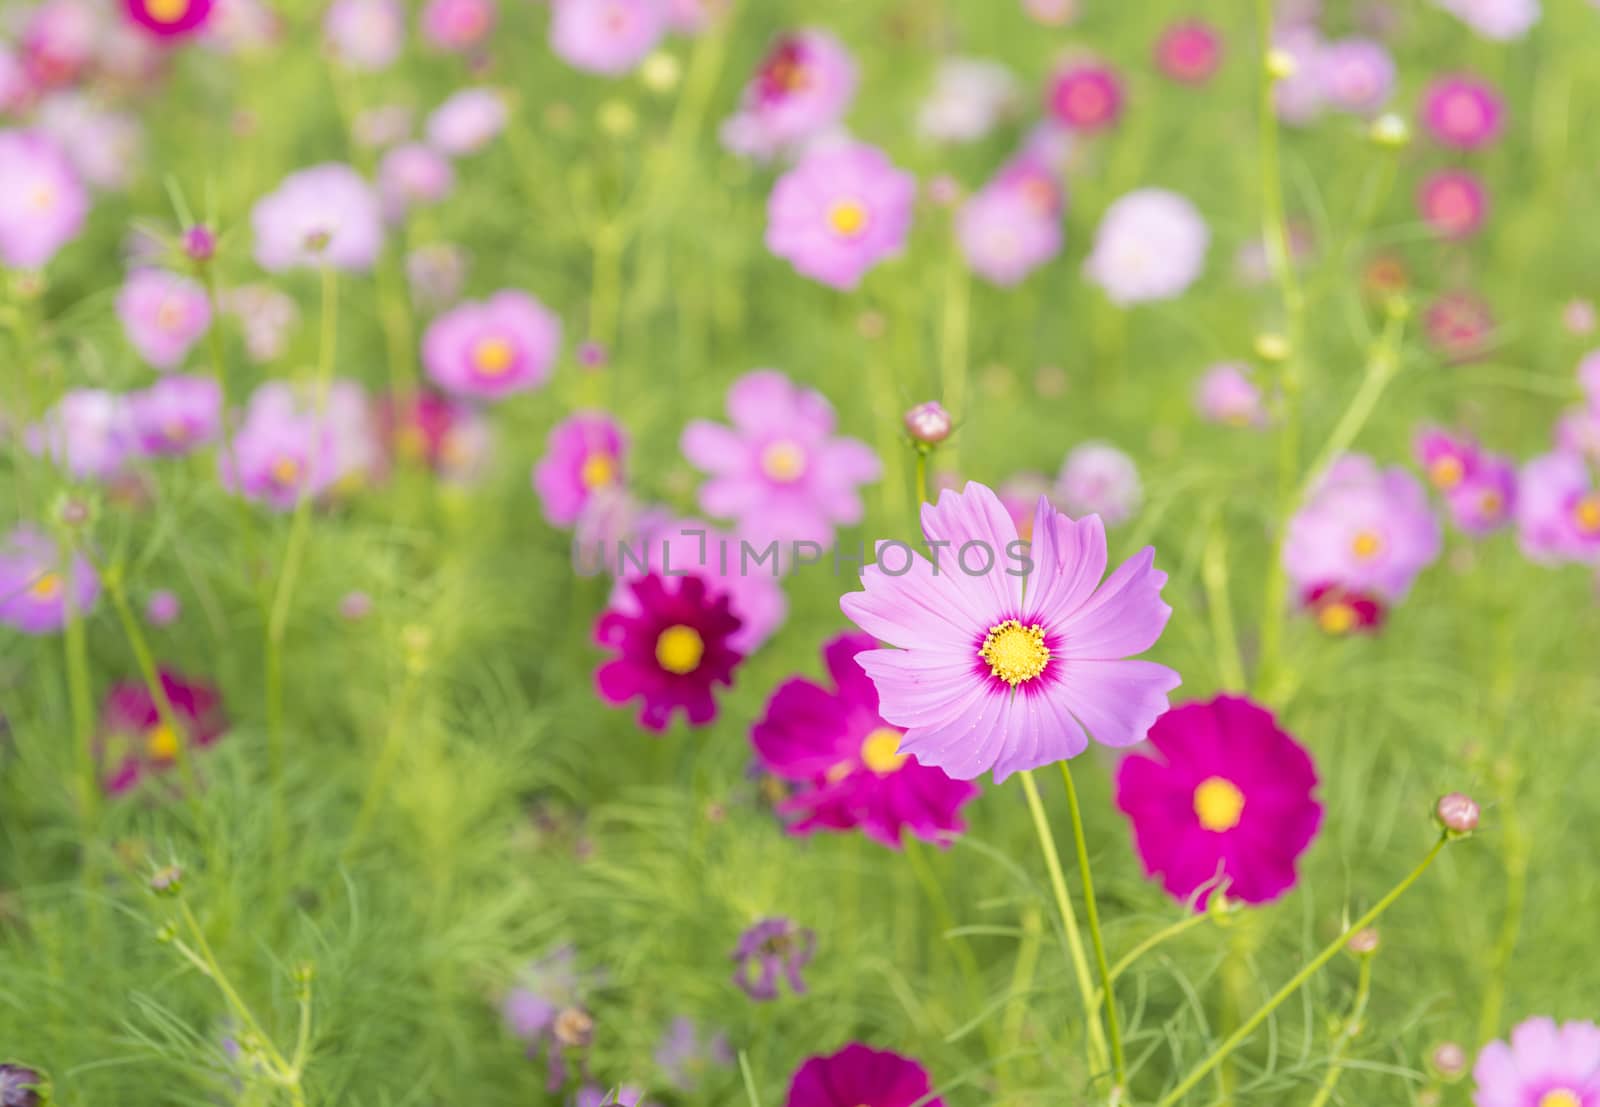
[1453,202]
[1012,225]
[1086,97]
[1364,529]
[457,25]
[1224,800]
[450,436]
[35,586]
[491,349]
[671,652]
[1462,112]
[366,34]
[990,676]
[779,471]
[839,212]
[844,760]
[43,205]
[1446,458]
[163,315]
[325,215]
[175,415]
[1558,510]
[606,36]
[1544,1065]
[801,89]
[1150,245]
[858,1076]
[1459,324]
[1189,52]
[582,459]
[136,743]
[169,18]
[1487,499]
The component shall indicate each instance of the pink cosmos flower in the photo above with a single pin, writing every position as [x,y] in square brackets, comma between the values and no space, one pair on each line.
[1012,225]
[450,436]
[1577,431]
[1302,96]
[1224,800]
[1226,394]
[1085,97]
[1486,500]
[1189,51]
[1150,245]
[1364,529]
[86,433]
[104,146]
[779,471]
[1500,20]
[1447,459]
[281,452]
[843,759]
[15,88]
[468,121]
[1459,324]
[1544,1065]
[1098,479]
[60,40]
[1019,495]
[325,215]
[858,1076]
[1589,377]
[1453,202]
[266,316]
[176,415]
[43,205]
[1340,611]
[458,25]
[839,212]
[970,97]
[1579,317]
[163,608]
[1357,74]
[411,176]
[671,652]
[34,584]
[494,348]
[169,18]
[990,676]
[583,458]
[1462,112]
[801,89]
[608,37]
[365,34]
[1558,510]
[135,743]
[163,314]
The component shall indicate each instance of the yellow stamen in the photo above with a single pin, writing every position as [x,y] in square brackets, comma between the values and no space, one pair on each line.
[599,470]
[1587,514]
[1560,1097]
[848,217]
[881,751]
[166,11]
[1491,503]
[1337,618]
[169,316]
[1218,803]
[161,743]
[286,471]
[1366,545]
[491,357]
[1015,653]
[42,199]
[783,461]
[1446,472]
[679,649]
[45,588]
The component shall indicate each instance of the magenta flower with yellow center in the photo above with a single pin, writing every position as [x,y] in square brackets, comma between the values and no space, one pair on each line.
[1011,656]
[170,18]
[490,350]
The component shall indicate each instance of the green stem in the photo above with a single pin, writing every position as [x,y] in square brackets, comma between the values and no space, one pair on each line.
[1165,934]
[219,368]
[1329,952]
[1214,573]
[1347,1034]
[956,319]
[916,854]
[81,701]
[1091,910]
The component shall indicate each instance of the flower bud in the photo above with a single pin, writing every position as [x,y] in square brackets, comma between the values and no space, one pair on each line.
[1280,64]
[1449,1060]
[1457,813]
[22,1086]
[660,72]
[592,355]
[573,1027]
[199,243]
[928,424]
[1272,347]
[167,880]
[1364,942]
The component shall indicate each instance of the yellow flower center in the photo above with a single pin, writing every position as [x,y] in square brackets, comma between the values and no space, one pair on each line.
[881,751]
[783,461]
[169,316]
[848,217]
[1366,545]
[161,743]
[1446,472]
[286,471]
[1218,803]
[46,587]
[491,357]
[1587,513]
[1560,1097]
[1491,503]
[42,200]
[599,470]
[1337,618]
[679,649]
[166,11]
[1015,653]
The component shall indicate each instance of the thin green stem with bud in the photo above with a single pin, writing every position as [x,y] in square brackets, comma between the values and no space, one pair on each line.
[1349,1028]
[1091,910]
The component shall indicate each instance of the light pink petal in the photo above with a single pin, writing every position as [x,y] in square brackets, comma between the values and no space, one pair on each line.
[919,607]
[714,448]
[843,463]
[1116,701]
[976,515]
[1043,732]
[967,745]
[1125,616]
[1069,559]
[762,402]
[921,687]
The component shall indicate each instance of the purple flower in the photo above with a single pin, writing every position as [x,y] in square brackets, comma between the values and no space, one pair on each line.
[1357,74]
[87,433]
[592,1095]
[779,471]
[20,1086]
[670,652]
[43,204]
[281,452]
[457,25]
[1150,245]
[34,585]
[1558,510]
[770,949]
[608,37]
[839,212]
[545,1010]
[468,121]
[490,350]
[413,175]
[103,145]
[265,315]
[1544,1065]
[1364,529]
[162,608]
[1300,97]
[1099,479]
[365,34]
[435,273]
[1227,395]
[1006,231]
[861,1075]
[685,1054]
[175,415]
[583,458]
[801,89]
[163,315]
[1486,499]
[1500,20]
[136,743]
[1462,112]
[324,215]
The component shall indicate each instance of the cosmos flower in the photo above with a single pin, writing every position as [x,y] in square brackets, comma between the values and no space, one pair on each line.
[1447,459]
[970,97]
[608,37]
[34,586]
[1453,202]
[1558,510]
[241,27]
[21,1086]
[1019,495]
[169,18]
[266,316]
[413,175]
[468,121]
[1459,324]
[59,41]
[1085,97]
[593,1095]
[779,471]
[1189,51]
[435,273]
[1486,500]
[43,205]
[280,452]
[1357,75]
[583,457]
[845,762]
[86,433]
[1364,529]
[163,608]
[840,211]
[671,652]
[858,1076]
[1500,20]
[365,34]
[1462,112]
[1011,227]
[1223,798]
[1151,245]
[801,89]
[1098,479]
[768,950]
[1225,394]
[176,415]
[135,743]
[546,1006]
[1544,1065]
[105,146]
[990,676]
[685,1054]
[1302,96]
[450,436]
[494,348]
[1577,431]
[1339,611]
[324,215]
[457,25]
[163,314]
